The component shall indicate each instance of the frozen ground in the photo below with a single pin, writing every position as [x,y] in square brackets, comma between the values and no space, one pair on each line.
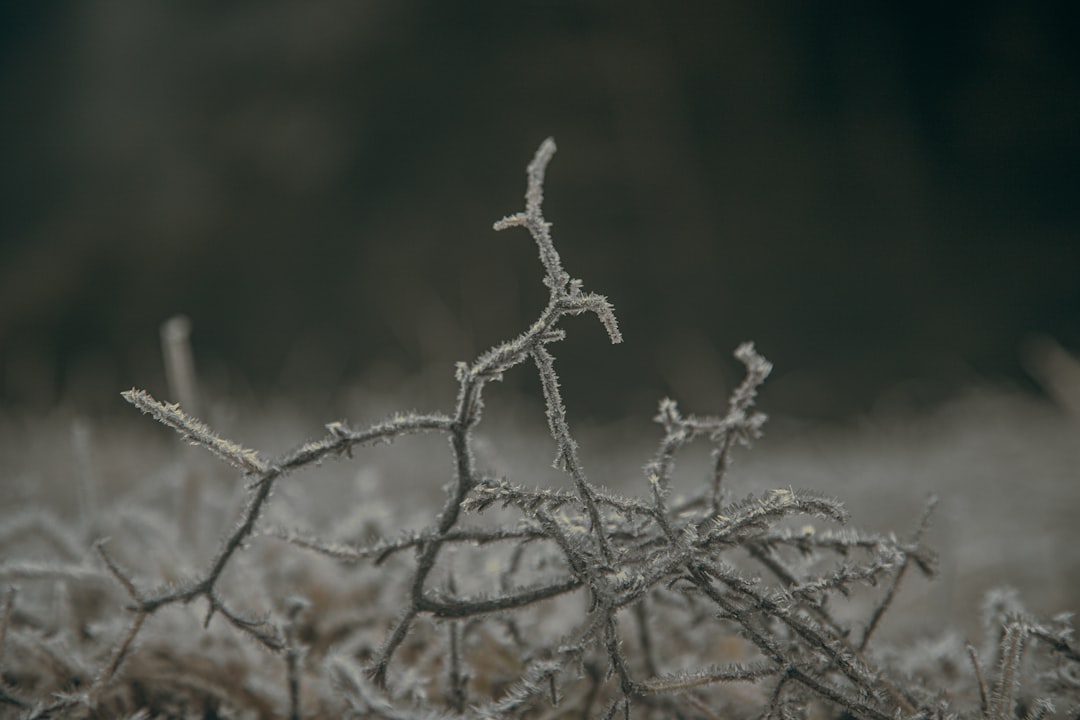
[1005,467]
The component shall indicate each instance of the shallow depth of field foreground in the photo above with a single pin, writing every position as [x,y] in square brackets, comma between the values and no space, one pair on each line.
[487,559]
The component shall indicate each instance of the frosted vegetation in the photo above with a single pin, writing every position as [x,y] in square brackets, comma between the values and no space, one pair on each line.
[458,574]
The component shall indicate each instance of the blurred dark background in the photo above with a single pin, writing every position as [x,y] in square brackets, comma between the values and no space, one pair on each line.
[883,197]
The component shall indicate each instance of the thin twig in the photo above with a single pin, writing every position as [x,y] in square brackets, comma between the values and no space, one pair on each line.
[984,692]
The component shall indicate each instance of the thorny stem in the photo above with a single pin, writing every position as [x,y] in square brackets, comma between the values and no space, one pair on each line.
[395,638]
[763,555]
[723,459]
[568,447]
[121,651]
[379,552]
[886,601]
[339,441]
[467,415]
[860,677]
[470,608]
[251,514]
[650,545]
[566,298]
[534,219]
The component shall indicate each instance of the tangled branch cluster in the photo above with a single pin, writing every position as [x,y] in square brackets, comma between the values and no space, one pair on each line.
[576,602]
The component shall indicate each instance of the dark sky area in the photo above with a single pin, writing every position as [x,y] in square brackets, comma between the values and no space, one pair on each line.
[885,197]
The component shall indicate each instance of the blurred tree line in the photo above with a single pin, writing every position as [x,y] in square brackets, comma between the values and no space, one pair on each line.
[881,197]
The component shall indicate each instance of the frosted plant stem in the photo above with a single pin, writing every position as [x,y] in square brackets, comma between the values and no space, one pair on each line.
[643,555]
[556,413]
